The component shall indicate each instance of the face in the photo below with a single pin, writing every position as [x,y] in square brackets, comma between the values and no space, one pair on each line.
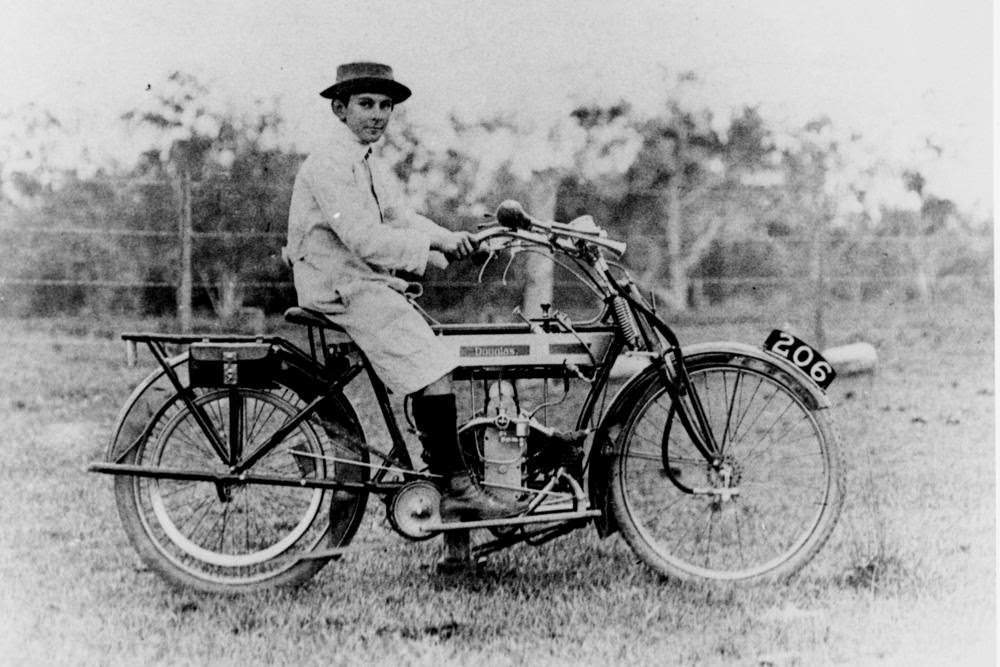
[367,114]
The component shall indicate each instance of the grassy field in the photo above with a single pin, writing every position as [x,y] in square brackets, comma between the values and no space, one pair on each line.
[907,578]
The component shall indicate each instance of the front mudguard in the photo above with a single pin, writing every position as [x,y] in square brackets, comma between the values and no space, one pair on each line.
[606,438]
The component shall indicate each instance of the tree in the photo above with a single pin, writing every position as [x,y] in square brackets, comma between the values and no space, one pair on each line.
[843,185]
[697,177]
[226,164]
[39,152]
[936,219]
[54,215]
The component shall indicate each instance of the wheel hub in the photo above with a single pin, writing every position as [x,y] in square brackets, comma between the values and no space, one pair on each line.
[723,483]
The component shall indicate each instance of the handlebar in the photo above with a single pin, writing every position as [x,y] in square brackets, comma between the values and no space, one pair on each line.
[515,223]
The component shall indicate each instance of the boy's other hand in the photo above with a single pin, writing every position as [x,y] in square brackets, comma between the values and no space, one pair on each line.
[454,245]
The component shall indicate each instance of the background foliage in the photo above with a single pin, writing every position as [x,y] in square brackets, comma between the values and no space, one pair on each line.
[711,207]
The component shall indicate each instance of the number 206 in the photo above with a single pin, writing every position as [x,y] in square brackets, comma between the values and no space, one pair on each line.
[803,357]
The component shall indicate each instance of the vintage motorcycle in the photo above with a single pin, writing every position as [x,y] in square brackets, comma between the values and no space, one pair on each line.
[241,464]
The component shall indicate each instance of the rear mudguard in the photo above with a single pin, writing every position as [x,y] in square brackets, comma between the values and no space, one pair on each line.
[144,401]
[155,390]
[627,398]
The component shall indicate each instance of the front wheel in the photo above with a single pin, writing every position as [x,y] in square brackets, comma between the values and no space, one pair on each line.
[760,510]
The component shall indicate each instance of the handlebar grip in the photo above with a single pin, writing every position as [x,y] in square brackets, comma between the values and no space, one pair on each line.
[510,214]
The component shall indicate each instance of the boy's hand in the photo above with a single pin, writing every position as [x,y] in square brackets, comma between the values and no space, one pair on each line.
[454,245]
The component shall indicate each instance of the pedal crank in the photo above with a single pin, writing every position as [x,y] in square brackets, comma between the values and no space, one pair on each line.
[545,517]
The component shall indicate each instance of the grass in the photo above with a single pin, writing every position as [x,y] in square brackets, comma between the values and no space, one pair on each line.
[907,578]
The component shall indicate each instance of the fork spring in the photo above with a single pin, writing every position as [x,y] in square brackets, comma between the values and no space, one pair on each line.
[625,320]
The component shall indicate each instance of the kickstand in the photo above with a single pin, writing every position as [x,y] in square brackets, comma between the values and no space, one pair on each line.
[457,557]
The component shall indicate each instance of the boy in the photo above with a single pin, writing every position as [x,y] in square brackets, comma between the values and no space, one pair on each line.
[348,232]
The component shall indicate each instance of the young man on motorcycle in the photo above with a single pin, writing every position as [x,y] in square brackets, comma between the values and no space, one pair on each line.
[349,231]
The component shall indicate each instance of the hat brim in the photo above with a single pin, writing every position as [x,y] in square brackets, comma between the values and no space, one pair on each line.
[395,90]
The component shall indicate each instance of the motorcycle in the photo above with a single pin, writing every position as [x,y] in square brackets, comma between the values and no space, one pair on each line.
[241,463]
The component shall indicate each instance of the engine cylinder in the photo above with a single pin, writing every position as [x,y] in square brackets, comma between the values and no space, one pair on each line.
[502,451]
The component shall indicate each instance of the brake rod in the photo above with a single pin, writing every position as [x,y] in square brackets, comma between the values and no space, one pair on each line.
[233,479]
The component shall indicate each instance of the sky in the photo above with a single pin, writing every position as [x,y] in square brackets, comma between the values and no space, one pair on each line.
[898,72]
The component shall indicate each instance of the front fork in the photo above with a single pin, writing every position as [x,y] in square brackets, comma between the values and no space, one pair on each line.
[684,397]
[686,404]
[675,376]
[676,379]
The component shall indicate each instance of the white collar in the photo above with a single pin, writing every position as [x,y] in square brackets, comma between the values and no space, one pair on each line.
[346,140]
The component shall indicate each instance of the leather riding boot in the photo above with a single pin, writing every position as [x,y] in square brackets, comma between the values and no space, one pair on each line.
[464,500]
[461,497]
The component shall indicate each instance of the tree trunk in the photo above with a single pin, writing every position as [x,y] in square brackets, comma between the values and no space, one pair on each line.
[818,271]
[676,267]
[227,294]
[924,267]
[539,199]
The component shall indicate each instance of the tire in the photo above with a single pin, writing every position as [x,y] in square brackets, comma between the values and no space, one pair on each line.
[247,537]
[782,459]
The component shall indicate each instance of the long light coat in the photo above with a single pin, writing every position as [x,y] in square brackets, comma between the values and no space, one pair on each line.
[347,234]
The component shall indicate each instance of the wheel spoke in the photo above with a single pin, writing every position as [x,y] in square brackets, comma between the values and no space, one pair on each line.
[205,506]
[246,524]
[708,540]
[739,538]
[765,435]
[179,486]
[649,456]
[759,412]
[729,410]
[224,519]
[236,426]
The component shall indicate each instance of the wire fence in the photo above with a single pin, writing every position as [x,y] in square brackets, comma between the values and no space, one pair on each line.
[51,261]
[697,284]
[14,236]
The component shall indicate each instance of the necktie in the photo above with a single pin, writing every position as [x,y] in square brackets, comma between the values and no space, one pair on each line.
[371,184]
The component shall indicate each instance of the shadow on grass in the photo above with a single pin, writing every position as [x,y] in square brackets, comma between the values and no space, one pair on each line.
[885,574]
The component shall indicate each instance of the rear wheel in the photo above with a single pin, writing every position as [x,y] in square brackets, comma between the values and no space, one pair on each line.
[762,510]
[239,537]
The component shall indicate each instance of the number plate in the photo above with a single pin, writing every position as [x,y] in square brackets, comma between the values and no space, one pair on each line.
[802,355]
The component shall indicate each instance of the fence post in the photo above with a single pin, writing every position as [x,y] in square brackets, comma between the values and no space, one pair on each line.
[819,281]
[185,284]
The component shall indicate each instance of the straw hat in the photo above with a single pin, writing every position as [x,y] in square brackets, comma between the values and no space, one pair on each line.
[366,78]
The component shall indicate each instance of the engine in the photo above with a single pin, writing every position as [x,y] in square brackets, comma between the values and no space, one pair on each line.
[510,450]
